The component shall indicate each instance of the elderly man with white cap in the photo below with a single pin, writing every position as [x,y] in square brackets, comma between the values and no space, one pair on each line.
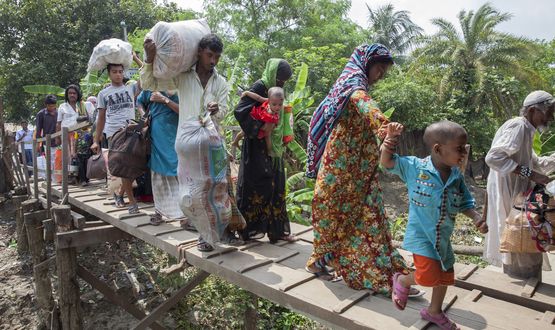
[514,167]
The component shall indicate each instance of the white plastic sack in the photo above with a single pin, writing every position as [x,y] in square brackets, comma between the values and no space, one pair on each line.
[204,197]
[113,51]
[176,46]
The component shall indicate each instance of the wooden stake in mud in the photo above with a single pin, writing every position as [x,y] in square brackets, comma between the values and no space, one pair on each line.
[24,161]
[43,287]
[71,315]
[48,175]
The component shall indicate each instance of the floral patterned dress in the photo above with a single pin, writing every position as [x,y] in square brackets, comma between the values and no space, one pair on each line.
[347,211]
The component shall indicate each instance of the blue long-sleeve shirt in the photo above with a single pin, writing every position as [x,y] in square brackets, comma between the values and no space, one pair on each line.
[433,206]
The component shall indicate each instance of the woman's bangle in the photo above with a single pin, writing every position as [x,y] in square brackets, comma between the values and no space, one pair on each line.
[525,172]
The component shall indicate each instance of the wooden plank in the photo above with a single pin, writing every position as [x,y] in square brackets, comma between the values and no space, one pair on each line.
[113,297]
[90,236]
[548,317]
[180,237]
[35,170]
[92,199]
[529,287]
[503,287]
[447,303]
[172,301]
[465,273]
[473,296]
[129,216]
[290,284]
[169,231]
[349,302]
[96,223]
[48,173]
[253,265]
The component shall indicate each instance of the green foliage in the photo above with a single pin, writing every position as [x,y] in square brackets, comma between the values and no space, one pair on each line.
[44,89]
[393,29]
[50,42]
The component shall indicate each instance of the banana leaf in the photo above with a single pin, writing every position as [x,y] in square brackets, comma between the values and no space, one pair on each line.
[44,89]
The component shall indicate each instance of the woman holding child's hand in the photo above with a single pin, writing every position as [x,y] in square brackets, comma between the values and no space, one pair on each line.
[351,232]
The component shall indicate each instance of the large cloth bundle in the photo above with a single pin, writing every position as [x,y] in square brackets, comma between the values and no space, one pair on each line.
[114,51]
[176,46]
[203,185]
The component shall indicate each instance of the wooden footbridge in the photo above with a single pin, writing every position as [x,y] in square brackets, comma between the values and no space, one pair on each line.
[480,299]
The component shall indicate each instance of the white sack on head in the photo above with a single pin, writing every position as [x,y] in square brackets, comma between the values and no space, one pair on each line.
[176,46]
[114,51]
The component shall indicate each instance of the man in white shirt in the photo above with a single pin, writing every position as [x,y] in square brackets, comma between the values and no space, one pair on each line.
[200,90]
[26,135]
[514,169]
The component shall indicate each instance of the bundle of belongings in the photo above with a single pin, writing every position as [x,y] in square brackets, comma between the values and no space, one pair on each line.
[529,226]
[110,51]
[176,46]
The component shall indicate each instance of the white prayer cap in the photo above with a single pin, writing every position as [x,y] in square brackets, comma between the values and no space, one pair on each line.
[537,97]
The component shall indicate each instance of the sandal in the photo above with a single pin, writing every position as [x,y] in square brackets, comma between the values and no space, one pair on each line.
[289,238]
[415,293]
[324,274]
[156,219]
[204,247]
[441,320]
[400,294]
[185,224]
[119,202]
[134,209]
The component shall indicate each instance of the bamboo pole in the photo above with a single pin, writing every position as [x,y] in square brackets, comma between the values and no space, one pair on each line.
[48,174]
[65,162]
[35,171]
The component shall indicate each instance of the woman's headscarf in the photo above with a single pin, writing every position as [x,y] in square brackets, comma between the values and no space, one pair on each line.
[277,69]
[354,77]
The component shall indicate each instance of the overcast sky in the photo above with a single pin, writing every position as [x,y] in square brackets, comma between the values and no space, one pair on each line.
[531,18]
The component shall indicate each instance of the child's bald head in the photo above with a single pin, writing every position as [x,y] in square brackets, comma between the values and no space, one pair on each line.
[442,132]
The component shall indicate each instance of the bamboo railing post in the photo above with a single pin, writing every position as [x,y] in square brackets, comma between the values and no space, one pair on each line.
[65,161]
[35,171]
[71,315]
[48,174]
[24,161]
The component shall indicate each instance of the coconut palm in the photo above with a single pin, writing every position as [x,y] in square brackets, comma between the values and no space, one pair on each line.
[394,29]
[478,60]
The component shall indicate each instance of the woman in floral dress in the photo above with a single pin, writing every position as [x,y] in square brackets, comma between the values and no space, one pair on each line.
[351,232]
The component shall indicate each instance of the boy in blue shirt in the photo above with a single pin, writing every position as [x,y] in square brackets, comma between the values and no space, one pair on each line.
[436,192]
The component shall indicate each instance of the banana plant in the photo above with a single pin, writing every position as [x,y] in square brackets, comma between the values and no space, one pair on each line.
[44,90]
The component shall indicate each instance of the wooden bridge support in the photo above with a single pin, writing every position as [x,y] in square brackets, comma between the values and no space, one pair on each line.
[21,236]
[71,315]
[34,216]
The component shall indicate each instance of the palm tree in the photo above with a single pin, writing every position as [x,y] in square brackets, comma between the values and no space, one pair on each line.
[477,59]
[394,29]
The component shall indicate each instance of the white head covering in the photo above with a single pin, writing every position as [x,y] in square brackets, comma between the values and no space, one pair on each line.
[537,97]
[92,99]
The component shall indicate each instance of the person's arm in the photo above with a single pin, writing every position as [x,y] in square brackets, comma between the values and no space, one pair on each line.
[254,96]
[218,108]
[477,219]
[148,81]
[369,111]
[387,148]
[137,60]
[508,143]
[242,112]
[544,164]
[19,137]
[99,130]
[38,128]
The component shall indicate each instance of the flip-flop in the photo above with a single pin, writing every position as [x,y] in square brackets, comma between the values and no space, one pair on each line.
[204,247]
[415,293]
[324,275]
[289,238]
[441,320]
[400,294]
